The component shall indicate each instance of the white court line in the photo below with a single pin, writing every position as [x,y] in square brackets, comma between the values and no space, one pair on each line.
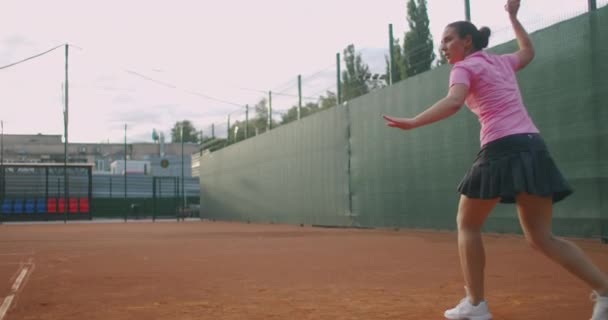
[17,254]
[9,299]
[20,278]
[5,305]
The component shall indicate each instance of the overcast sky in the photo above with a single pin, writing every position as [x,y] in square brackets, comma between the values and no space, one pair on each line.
[230,50]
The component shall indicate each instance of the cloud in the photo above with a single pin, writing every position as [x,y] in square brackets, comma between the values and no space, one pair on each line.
[16,40]
[122,99]
[118,89]
[375,59]
[141,115]
[10,46]
[213,50]
[141,137]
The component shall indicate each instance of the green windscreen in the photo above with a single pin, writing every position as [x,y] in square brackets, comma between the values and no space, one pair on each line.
[343,166]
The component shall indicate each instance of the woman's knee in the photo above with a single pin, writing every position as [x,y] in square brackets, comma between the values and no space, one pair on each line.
[540,241]
[466,224]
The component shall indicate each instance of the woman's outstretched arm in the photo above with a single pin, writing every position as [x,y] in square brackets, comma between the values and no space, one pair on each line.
[526,48]
[438,111]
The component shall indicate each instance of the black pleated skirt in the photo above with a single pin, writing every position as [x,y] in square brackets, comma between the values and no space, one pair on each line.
[512,165]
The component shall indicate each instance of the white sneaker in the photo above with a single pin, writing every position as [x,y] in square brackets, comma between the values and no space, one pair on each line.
[466,311]
[600,310]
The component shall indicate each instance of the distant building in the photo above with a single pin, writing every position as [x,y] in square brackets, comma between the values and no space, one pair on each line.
[138,167]
[142,157]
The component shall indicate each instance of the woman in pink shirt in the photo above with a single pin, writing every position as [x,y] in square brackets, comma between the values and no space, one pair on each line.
[513,165]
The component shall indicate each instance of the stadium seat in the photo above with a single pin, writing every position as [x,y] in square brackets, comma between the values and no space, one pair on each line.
[18,206]
[52,205]
[41,205]
[30,205]
[73,203]
[84,205]
[7,206]
[61,205]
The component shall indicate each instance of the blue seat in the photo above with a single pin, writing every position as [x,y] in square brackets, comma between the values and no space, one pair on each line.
[30,205]
[7,206]
[41,205]
[18,206]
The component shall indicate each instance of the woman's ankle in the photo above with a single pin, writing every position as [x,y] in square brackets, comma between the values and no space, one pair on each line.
[475,302]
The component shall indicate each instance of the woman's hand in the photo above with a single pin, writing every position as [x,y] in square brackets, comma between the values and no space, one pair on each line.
[401,123]
[512,7]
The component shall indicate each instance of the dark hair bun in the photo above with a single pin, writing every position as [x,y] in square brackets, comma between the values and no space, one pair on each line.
[484,38]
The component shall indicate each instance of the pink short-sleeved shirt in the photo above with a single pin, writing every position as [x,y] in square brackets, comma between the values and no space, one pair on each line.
[494,94]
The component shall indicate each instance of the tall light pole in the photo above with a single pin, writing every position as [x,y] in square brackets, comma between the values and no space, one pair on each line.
[2,144]
[391,43]
[592,4]
[339,83]
[299,96]
[125,167]
[246,121]
[269,126]
[183,191]
[1,163]
[65,143]
[2,159]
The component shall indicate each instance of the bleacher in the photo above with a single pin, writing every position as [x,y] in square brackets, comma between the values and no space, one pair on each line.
[37,192]
[43,206]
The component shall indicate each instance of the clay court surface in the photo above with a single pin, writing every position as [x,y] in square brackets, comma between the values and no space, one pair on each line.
[213,270]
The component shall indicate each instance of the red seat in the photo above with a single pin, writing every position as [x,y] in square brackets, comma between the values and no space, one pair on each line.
[61,206]
[84,205]
[73,203]
[51,205]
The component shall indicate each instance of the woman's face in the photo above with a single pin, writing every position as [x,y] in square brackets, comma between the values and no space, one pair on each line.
[453,47]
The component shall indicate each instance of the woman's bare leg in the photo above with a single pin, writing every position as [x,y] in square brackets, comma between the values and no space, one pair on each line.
[472,213]
[535,215]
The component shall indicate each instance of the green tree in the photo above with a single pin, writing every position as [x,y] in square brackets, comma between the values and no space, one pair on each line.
[190,132]
[325,102]
[205,139]
[240,132]
[354,82]
[400,71]
[306,110]
[442,59]
[418,52]
[328,101]
[260,122]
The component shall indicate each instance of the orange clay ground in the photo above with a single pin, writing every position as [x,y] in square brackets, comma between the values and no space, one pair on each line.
[214,270]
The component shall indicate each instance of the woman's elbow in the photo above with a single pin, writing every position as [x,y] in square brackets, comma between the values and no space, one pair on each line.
[526,56]
[531,53]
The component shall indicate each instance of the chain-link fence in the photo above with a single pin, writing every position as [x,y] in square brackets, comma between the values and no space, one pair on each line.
[40,192]
[306,94]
